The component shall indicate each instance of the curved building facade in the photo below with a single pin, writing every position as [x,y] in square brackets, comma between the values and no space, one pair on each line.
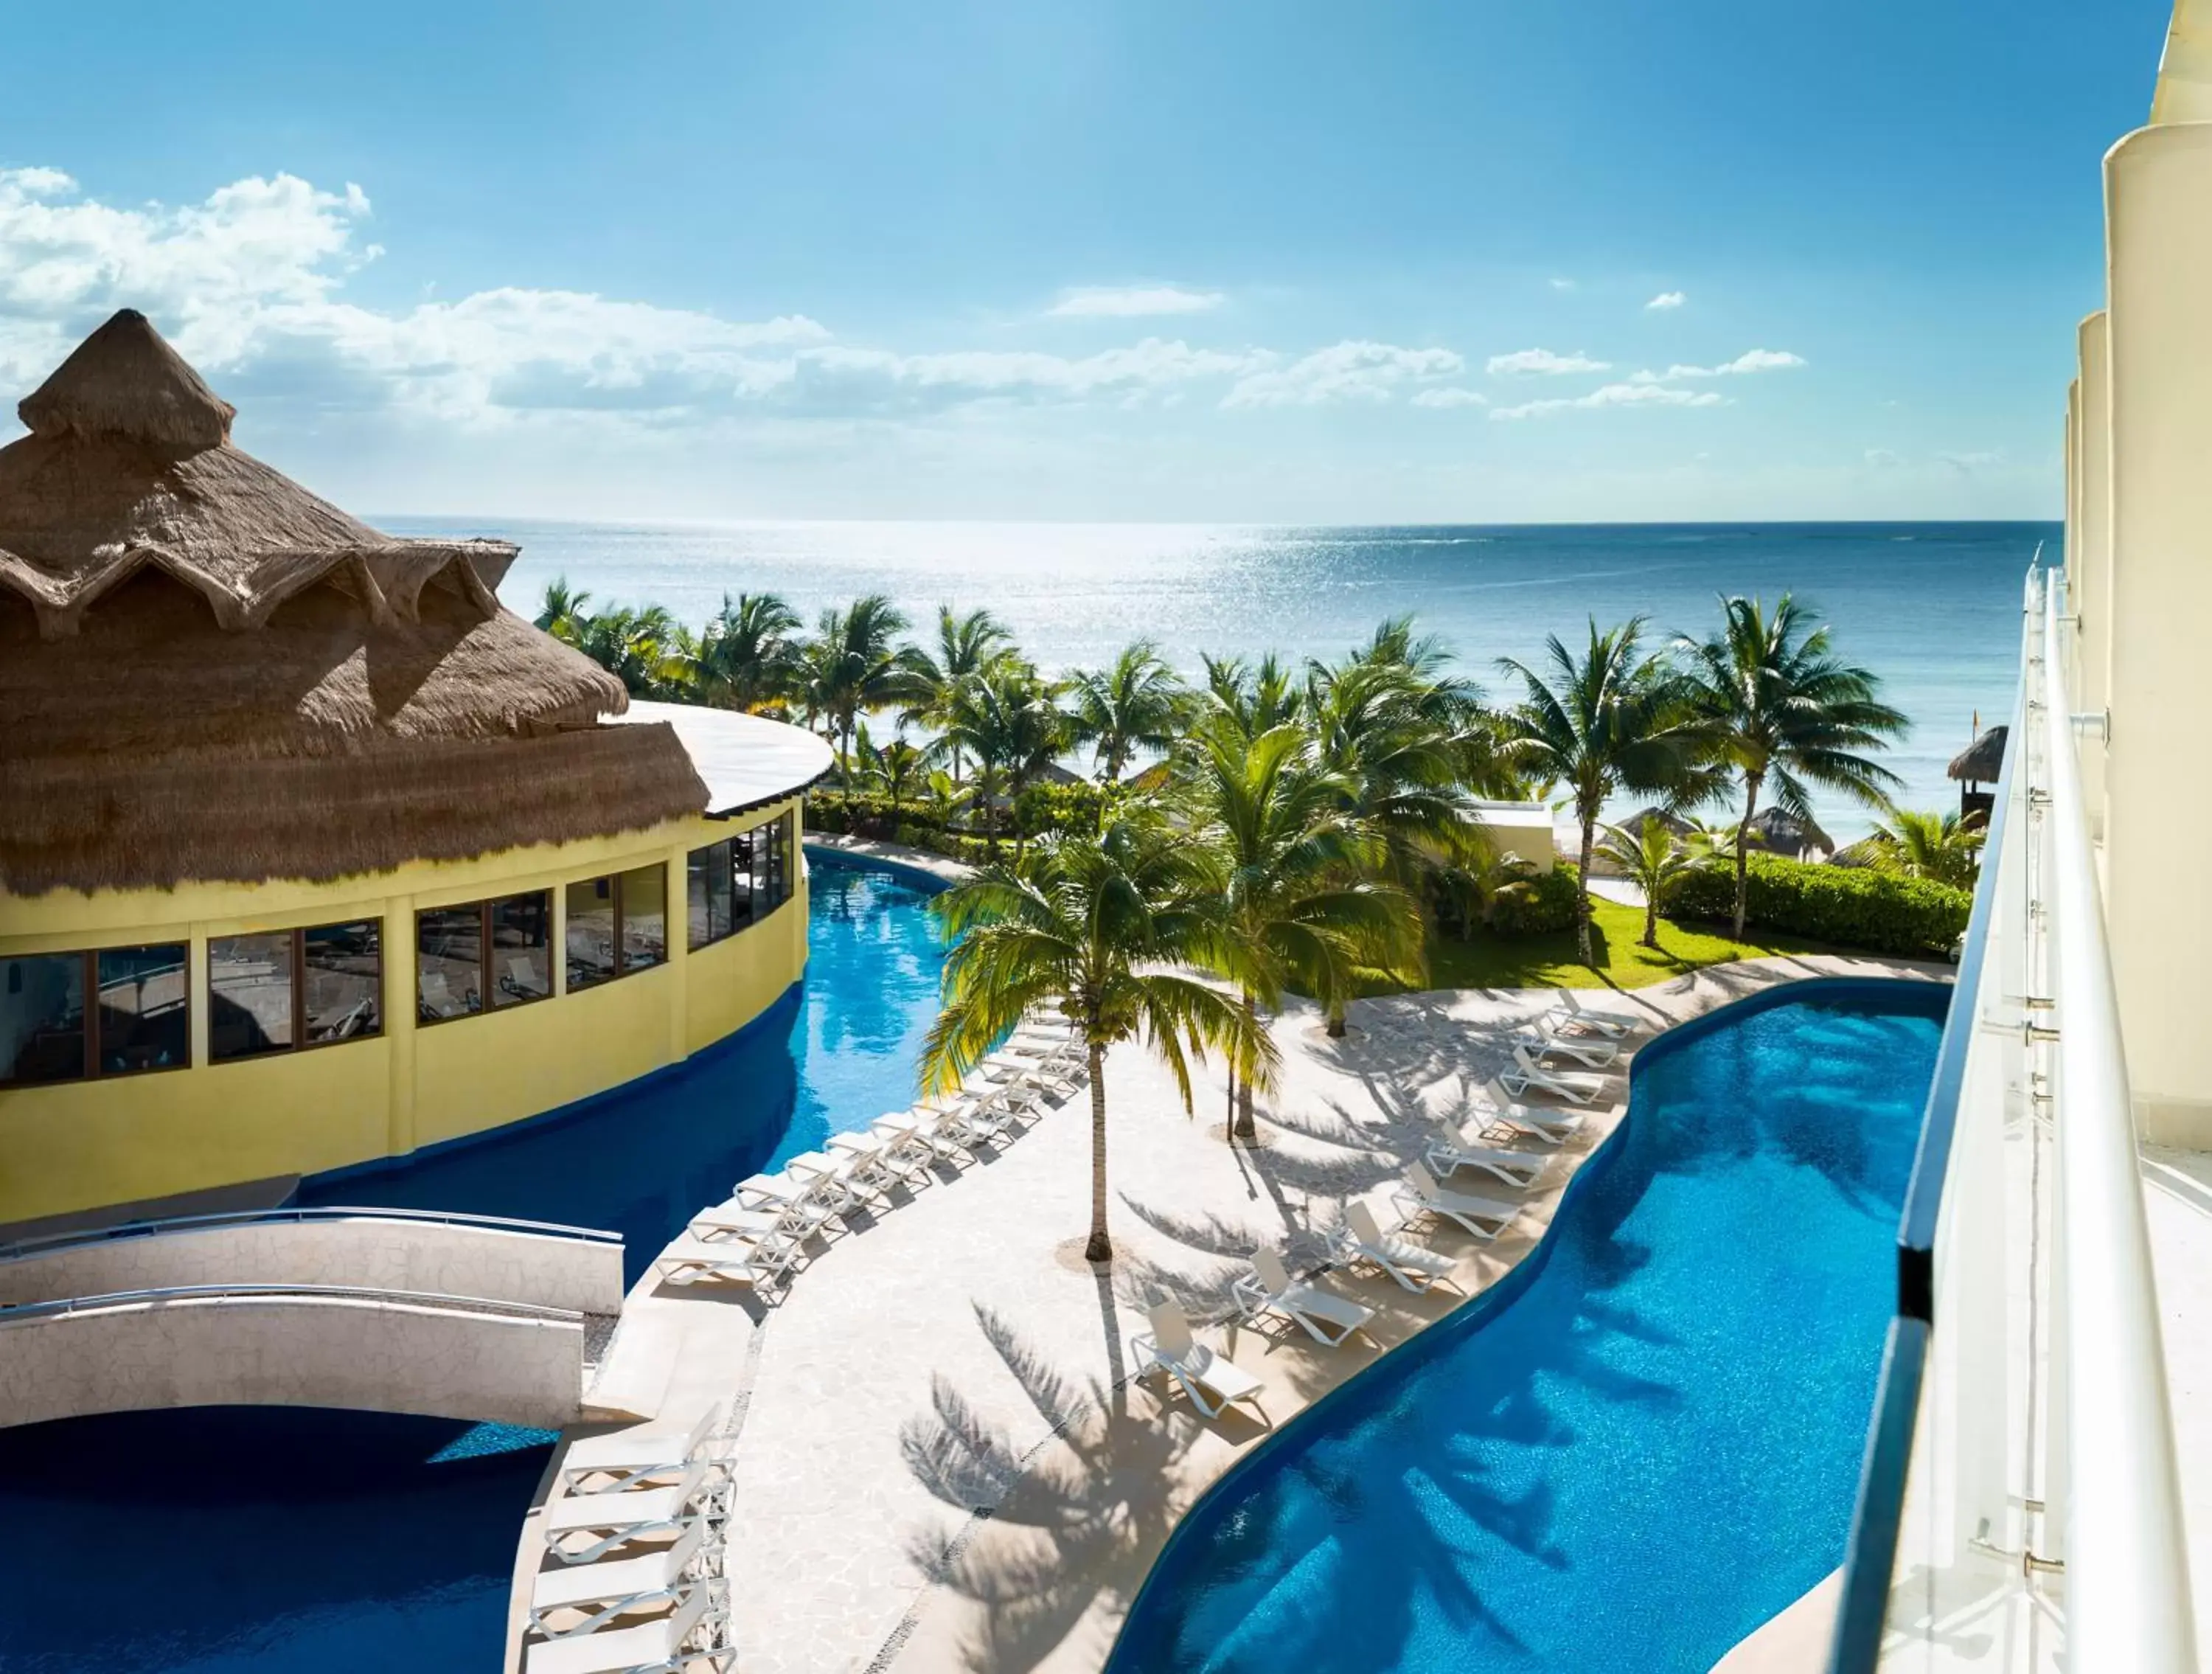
[311,853]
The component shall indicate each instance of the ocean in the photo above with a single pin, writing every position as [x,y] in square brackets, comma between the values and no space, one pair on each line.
[1933,608]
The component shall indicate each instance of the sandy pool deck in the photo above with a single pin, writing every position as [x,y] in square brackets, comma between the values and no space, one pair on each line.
[939,1460]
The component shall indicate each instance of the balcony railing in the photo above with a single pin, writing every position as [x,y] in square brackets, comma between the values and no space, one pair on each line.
[2019,1507]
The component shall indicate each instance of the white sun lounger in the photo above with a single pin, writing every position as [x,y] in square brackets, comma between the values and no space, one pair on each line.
[1527,1076]
[691,1260]
[1007,1069]
[1552,1127]
[1325,1318]
[632,1456]
[1413,1267]
[1591,1053]
[806,1206]
[876,1160]
[1212,1380]
[570,1523]
[695,1634]
[621,1587]
[1485,1217]
[732,1223]
[1515,1168]
[1564,1020]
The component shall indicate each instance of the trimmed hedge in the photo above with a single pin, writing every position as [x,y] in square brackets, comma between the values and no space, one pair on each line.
[1540,906]
[1852,906]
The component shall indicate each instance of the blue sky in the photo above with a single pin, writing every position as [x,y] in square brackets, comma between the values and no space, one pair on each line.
[1154,261]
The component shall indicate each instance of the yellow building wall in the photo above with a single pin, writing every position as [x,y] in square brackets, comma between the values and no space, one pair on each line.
[77,1145]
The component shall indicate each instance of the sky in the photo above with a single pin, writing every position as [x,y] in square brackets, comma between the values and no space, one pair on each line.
[1494,260]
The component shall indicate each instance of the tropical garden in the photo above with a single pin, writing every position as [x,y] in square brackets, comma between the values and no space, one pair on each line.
[1164,857]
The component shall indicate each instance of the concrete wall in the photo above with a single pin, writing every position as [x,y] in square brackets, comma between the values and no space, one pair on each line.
[278,1350]
[434,1257]
[2158,188]
[72,1146]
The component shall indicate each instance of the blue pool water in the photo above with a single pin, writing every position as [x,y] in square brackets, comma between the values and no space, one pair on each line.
[274,1541]
[1641,1446]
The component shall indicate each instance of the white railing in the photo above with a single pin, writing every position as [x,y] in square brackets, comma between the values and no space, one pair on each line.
[2019,1509]
[2127,1576]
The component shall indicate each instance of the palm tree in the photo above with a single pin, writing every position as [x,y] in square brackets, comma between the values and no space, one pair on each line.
[1295,870]
[1939,847]
[1137,703]
[1653,858]
[1007,720]
[747,657]
[896,769]
[562,614]
[1610,720]
[1110,930]
[642,648]
[1779,707]
[967,647]
[854,664]
[1255,696]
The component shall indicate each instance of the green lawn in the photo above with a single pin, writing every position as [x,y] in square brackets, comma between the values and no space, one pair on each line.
[1548,961]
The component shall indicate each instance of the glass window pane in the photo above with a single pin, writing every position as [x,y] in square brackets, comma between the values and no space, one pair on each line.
[590,932]
[763,874]
[144,1022]
[644,917]
[42,1018]
[343,980]
[706,894]
[741,880]
[448,963]
[522,948]
[249,996]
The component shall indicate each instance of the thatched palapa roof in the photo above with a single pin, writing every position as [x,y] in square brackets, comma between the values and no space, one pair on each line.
[1983,761]
[1774,832]
[208,673]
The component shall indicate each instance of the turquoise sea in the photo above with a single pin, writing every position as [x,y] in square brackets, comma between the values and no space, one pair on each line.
[1932,608]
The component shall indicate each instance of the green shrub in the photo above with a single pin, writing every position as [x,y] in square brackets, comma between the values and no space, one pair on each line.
[1042,808]
[1540,906]
[1849,905]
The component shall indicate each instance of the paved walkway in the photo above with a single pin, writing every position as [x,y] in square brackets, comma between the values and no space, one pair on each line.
[956,1357]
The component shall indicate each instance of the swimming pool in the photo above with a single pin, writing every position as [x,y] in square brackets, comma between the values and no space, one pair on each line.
[1645,1441]
[277,1541]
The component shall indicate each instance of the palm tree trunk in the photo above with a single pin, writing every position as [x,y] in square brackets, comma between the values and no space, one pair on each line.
[1743,851]
[1651,917]
[1243,1128]
[1100,1248]
[1336,1018]
[1583,947]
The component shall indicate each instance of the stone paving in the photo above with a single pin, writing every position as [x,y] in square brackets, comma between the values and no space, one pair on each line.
[938,1461]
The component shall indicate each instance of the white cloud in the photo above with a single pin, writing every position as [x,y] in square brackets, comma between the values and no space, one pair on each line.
[1526,360]
[1967,464]
[1752,360]
[1667,299]
[1134,302]
[1563,284]
[1884,459]
[1614,395]
[1348,371]
[1451,396]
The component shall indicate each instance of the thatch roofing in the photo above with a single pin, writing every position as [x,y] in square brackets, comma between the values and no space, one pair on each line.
[208,672]
[1983,761]
[1774,832]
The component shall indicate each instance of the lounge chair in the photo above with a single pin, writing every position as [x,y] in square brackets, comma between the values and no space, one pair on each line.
[1564,1020]
[1527,1076]
[1325,1318]
[691,1260]
[570,1523]
[732,1223]
[1591,1053]
[1413,1267]
[684,1639]
[622,1587]
[1515,1168]
[914,1130]
[1485,1217]
[1553,1126]
[878,1161]
[633,1456]
[1212,1380]
[1005,1068]
[971,1124]
[806,1206]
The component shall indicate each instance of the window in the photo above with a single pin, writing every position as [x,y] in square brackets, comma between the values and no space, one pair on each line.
[617,925]
[42,1036]
[500,948]
[342,981]
[448,963]
[250,999]
[731,883]
[521,942]
[144,1020]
